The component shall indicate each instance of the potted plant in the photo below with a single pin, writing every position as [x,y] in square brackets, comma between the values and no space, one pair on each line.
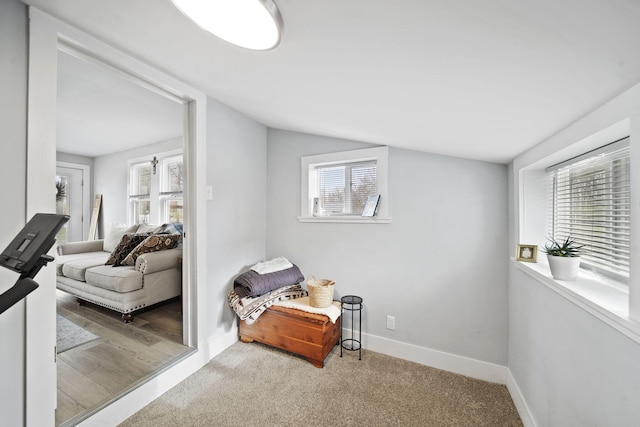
[564,258]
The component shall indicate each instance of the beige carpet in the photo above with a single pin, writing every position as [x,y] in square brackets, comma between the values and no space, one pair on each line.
[251,384]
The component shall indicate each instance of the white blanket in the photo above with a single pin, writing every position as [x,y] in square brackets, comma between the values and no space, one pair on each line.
[332,312]
[271,266]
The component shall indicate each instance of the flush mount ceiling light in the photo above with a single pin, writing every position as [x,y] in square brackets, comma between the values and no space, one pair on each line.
[252,24]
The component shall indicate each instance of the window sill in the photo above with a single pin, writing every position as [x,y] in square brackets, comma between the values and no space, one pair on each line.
[603,298]
[346,219]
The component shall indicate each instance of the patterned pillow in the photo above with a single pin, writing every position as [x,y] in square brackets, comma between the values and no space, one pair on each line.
[153,243]
[174,228]
[119,248]
[133,242]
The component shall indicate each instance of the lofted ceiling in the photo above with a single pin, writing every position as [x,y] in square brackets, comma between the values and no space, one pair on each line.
[474,79]
[95,104]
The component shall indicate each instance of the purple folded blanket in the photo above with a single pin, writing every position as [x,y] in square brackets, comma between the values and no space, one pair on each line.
[253,284]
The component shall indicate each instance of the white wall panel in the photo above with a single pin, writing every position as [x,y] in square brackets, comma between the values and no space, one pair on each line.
[440,267]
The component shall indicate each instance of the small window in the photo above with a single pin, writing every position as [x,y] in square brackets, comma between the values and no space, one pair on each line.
[591,203]
[335,186]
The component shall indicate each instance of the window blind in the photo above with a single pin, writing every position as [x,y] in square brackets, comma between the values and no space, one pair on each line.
[343,188]
[591,203]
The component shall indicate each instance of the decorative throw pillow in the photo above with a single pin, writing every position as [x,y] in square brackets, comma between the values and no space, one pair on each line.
[119,248]
[115,234]
[149,228]
[153,243]
[174,228]
[135,240]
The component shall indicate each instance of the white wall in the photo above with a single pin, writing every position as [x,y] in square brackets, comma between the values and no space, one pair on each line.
[237,171]
[570,368]
[13,126]
[440,267]
[111,175]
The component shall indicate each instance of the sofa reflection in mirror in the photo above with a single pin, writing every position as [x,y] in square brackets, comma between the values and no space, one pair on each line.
[133,267]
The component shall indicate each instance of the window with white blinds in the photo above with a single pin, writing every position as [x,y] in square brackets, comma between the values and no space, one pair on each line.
[591,203]
[343,188]
[335,186]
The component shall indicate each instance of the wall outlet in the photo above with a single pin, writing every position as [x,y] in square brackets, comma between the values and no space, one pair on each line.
[391,322]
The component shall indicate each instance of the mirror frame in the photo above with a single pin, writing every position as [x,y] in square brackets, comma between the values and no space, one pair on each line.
[47,36]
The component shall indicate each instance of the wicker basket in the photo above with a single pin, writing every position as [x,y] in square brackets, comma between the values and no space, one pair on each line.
[320,292]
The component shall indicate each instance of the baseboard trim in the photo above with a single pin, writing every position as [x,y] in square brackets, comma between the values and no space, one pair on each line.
[518,400]
[437,359]
[220,343]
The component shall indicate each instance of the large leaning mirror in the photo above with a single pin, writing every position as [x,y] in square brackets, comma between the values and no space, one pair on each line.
[119,155]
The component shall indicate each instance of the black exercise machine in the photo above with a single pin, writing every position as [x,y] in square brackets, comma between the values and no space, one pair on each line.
[27,254]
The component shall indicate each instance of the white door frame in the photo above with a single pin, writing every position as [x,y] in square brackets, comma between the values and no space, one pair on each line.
[86,193]
[46,36]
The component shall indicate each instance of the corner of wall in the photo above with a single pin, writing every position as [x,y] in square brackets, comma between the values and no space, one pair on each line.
[518,400]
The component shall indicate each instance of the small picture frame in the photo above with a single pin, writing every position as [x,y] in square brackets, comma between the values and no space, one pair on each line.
[371,206]
[527,253]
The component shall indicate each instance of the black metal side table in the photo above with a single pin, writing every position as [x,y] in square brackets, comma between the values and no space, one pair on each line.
[352,303]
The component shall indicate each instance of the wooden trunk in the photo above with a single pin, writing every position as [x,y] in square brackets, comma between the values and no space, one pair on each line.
[309,335]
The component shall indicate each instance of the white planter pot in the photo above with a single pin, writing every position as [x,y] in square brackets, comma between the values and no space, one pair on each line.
[564,268]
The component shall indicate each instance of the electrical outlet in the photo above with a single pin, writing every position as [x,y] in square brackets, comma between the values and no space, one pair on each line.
[391,322]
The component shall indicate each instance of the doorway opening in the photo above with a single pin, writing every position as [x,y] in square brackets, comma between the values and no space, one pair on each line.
[47,37]
[108,120]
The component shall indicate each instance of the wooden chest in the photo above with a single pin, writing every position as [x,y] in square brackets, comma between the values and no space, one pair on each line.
[309,335]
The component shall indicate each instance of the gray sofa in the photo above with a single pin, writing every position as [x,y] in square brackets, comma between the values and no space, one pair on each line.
[81,271]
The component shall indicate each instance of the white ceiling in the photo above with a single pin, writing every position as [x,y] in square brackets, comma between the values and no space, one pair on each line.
[475,79]
[101,112]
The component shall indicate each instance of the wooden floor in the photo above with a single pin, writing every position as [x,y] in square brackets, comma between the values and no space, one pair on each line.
[98,371]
